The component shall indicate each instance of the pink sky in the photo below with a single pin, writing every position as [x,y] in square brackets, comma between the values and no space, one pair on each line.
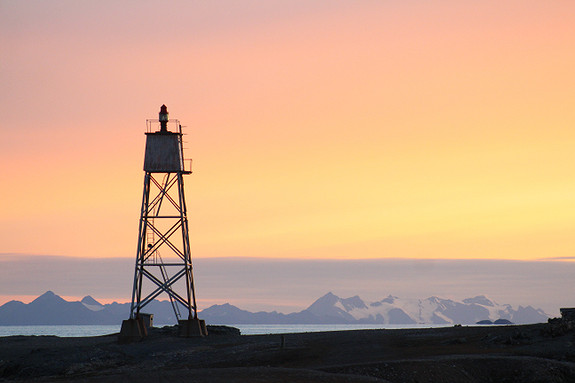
[318,129]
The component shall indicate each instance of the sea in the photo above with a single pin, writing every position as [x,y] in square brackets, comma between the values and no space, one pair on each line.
[245,329]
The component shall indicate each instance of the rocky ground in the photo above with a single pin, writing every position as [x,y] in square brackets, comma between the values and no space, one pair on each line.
[532,353]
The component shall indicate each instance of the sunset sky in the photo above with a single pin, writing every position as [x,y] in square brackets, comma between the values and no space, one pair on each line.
[320,129]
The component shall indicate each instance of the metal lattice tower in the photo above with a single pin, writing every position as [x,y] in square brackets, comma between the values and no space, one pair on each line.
[163,260]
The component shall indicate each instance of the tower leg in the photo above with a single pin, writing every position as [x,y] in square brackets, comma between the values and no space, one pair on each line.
[162,215]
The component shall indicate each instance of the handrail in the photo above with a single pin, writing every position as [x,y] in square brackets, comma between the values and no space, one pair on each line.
[153,125]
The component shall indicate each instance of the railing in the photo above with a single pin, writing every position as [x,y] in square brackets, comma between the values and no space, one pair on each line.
[153,125]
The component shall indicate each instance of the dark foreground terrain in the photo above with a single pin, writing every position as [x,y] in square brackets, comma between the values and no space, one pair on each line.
[532,353]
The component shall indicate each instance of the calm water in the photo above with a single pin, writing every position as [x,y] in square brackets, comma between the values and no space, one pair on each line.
[90,330]
[68,331]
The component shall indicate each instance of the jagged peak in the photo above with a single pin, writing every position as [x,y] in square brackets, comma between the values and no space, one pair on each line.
[353,302]
[434,299]
[329,298]
[389,299]
[48,296]
[88,300]
[329,295]
[355,298]
[223,307]
[479,300]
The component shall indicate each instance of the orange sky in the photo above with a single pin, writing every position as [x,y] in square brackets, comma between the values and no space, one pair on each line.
[322,129]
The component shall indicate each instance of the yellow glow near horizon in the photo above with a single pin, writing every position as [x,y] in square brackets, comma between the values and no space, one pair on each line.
[441,130]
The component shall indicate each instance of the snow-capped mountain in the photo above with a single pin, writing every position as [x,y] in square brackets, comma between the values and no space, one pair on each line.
[331,309]
[51,309]
[92,304]
[432,310]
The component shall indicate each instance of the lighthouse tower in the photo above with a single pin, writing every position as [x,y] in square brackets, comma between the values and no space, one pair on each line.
[163,257]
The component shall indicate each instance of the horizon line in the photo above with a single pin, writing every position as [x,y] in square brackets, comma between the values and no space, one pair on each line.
[545,259]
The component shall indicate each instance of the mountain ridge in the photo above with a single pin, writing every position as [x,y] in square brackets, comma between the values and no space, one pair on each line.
[51,309]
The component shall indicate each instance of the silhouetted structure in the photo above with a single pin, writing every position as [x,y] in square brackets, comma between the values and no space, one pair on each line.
[567,314]
[163,260]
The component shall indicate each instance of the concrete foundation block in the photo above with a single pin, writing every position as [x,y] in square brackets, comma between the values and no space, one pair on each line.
[132,329]
[192,328]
